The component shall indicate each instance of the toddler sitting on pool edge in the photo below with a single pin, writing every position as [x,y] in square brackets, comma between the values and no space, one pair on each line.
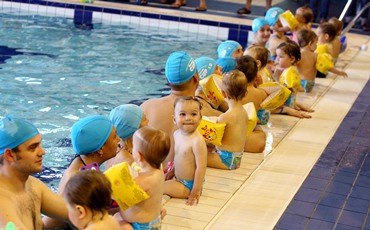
[229,154]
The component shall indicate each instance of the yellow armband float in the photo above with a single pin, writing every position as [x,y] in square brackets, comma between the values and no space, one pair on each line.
[252,117]
[277,95]
[288,19]
[324,62]
[125,190]
[212,131]
[290,78]
[211,86]
[322,49]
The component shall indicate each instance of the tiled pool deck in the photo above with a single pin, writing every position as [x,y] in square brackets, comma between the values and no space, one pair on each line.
[336,193]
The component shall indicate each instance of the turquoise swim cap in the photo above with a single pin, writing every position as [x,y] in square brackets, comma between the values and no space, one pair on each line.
[180,67]
[15,131]
[272,15]
[90,134]
[227,63]
[127,119]
[227,48]
[205,66]
[258,23]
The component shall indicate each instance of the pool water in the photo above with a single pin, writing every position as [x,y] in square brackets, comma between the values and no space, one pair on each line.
[53,73]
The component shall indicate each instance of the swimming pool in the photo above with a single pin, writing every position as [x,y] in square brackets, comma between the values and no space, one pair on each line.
[54,73]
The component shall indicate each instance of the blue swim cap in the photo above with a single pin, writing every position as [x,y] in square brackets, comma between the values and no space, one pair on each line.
[258,23]
[127,119]
[272,15]
[90,133]
[205,66]
[227,48]
[227,63]
[14,132]
[180,67]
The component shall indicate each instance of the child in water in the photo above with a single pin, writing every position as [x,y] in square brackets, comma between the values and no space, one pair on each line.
[88,197]
[190,152]
[229,154]
[151,147]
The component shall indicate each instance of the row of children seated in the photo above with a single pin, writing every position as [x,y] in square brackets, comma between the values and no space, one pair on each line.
[237,92]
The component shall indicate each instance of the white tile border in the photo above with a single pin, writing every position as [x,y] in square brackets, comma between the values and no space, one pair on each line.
[109,18]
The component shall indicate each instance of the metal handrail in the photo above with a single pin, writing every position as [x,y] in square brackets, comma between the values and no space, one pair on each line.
[353,21]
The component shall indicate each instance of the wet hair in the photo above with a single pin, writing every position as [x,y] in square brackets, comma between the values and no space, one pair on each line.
[90,189]
[338,24]
[307,13]
[328,28]
[291,49]
[234,84]
[305,37]
[261,54]
[248,66]
[154,145]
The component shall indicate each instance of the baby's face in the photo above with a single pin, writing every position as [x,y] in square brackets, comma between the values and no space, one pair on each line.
[263,34]
[283,60]
[320,36]
[299,16]
[187,115]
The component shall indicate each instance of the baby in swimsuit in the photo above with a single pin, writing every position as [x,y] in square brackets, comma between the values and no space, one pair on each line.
[190,152]
[228,155]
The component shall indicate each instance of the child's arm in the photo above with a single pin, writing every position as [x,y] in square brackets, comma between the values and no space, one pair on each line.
[200,154]
[338,72]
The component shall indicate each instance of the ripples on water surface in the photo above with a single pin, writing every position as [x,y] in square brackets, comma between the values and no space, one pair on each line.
[53,73]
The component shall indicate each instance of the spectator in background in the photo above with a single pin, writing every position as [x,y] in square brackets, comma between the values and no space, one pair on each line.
[324,9]
[248,5]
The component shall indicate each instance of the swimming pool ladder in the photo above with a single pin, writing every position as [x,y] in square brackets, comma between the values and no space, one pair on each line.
[353,21]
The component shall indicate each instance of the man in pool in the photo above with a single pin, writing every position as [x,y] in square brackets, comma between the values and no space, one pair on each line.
[22,196]
[183,79]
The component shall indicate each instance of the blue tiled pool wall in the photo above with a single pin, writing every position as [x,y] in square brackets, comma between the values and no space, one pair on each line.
[336,193]
[85,15]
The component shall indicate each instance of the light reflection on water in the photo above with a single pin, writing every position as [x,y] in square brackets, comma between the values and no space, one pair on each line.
[53,73]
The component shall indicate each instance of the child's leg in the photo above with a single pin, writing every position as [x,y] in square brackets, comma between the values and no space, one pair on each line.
[256,141]
[214,161]
[175,189]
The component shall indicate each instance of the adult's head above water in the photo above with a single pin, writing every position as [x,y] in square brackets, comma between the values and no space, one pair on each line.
[229,48]
[20,140]
[180,68]
[95,136]
[14,132]
[21,156]
[127,119]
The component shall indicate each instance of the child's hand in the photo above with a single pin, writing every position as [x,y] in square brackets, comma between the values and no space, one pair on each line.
[343,74]
[193,198]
